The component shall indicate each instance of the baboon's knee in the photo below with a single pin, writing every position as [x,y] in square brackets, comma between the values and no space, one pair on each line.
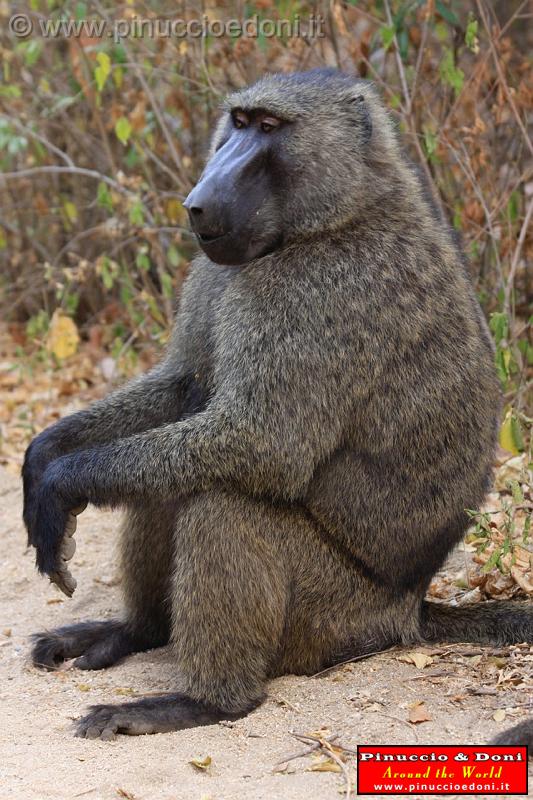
[229,600]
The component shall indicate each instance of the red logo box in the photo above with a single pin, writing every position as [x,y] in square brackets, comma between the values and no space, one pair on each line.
[441,769]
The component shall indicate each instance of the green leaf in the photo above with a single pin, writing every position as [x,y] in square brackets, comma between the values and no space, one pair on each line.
[71,301]
[494,561]
[403,44]
[10,91]
[510,434]
[502,365]
[516,491]
[136,214]
[471,40]
[31,50]
[387,33]
[513,206]
[142,259]
[527,528]
[80,11]
[442,31]
[132,158]
[103,70]
[126,294]
[107,271]
[71,212]
[37,326]
[103,197]
[395,101]
[450,73]
[118,76]
[166,285]
[447,14]
[430,143]
[528,354]
[123,130]
[16,144]
[499,325]
[173,256]
[517,433]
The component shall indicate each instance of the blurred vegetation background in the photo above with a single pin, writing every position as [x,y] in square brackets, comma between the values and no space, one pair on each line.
[101,138]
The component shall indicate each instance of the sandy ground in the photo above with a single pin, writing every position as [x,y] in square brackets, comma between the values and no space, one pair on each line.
[364,702]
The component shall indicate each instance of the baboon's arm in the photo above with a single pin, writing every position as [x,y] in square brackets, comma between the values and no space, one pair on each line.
[151,400]
[256,433]
[146,402]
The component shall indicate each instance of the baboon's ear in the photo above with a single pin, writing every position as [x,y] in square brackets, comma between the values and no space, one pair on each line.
[363,117]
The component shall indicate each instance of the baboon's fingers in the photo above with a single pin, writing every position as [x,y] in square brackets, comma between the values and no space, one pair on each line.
[72,524]
[68,548]
[64,579]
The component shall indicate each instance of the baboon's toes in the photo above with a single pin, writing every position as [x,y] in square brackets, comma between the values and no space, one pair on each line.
[93,644]
[48,650]
[104,722]
[171,712]
[101,655]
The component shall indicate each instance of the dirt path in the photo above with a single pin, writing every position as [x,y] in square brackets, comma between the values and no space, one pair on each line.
[366,702]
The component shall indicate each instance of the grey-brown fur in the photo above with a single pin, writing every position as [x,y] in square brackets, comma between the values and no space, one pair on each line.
[297,467]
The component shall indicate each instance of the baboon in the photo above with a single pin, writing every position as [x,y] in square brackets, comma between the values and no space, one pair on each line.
[298,465]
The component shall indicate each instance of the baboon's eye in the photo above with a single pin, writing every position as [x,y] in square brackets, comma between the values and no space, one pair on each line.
[268,124]
[240,119]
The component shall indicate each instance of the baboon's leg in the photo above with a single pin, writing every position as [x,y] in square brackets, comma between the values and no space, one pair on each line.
[146,547]
[51,648]
[229,600]
[147,563]
[256,592]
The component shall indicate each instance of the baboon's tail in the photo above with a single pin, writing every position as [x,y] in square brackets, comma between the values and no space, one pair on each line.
[498,622]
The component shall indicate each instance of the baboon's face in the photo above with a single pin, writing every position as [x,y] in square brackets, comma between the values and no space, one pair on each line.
[288,158]
[235,208]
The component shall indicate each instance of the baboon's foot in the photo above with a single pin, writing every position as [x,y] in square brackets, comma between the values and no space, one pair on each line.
[172,712]
[94,645]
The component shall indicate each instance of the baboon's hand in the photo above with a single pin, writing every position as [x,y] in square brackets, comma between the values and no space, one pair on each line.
[54,526]
[36,459]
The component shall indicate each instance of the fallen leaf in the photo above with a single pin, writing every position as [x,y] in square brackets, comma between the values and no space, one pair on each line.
[420,660]
[326,765]
[84,687]
[514,469]
[321,733]
[498,661]
[63,337]
[418,713]
[108,580]
[201,763]
[124,793]
[507,436]
[124,690]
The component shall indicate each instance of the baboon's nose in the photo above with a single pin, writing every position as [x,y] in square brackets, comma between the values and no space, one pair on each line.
[204,215]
